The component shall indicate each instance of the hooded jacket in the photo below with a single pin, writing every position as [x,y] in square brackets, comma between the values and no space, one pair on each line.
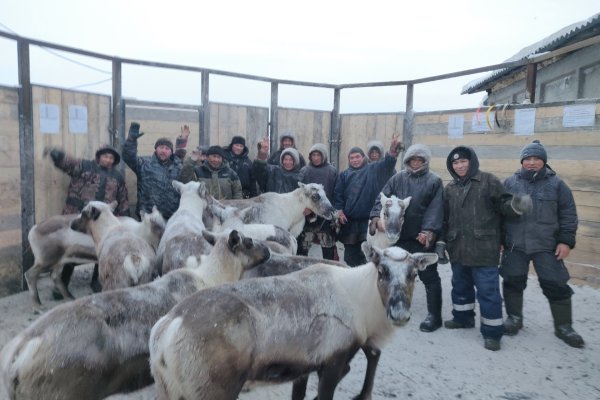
[242,166]
[154,178]
[274,178]
[554,216]
[90,181]
[324,173]
[222,182]
[473,210]
[275,158]
[426,209]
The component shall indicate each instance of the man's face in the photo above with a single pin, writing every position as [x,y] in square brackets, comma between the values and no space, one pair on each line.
[532,163]
[287,162]
[374,155]
[316,158]
[355,160]
[461,167]
[106,160]
[215,160]
[163,152]
[287,142]
[237,149]
[416,163]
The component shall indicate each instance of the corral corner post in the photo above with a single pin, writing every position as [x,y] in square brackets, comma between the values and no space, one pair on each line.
[335,139]
[118,110]
[274,116]
[26,156]
[409,117]
[204,114]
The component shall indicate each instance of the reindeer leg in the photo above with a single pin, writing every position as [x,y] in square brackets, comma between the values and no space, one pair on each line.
[372,354]
[58,282]
[299,388]
[31,277]
[332,373]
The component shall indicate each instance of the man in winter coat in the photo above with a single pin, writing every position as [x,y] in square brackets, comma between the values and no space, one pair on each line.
[474,203]
[277,178]
[545,237]
[90,180]
[355,192]
[236,155]
[285,142]
[221,181]
[156,173]
[422,221]
[319,170]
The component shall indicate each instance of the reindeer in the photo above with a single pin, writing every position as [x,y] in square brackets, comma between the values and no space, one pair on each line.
[98,345]
[391,219]
[280,328]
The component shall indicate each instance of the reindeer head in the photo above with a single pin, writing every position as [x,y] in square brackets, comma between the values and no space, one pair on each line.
[396,272]
[91,212]
[315,199]
[392,215]
[248,251]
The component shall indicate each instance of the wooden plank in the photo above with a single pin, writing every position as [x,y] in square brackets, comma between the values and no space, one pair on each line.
[580,138]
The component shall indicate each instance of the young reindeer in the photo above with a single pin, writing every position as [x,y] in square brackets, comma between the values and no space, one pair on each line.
[391,219]
[124,258]
[150,228]
[280,328]
[183,241]
[98,345]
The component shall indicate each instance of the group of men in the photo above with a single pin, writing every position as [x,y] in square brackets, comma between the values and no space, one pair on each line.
[475,220]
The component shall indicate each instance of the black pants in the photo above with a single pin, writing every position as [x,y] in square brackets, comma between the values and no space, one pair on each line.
[353,255]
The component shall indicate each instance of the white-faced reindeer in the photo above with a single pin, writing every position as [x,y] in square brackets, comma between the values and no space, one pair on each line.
[280,328]
[150,228]
[124,258]
[391,219]
[98,345]
[183,239]
[286,210]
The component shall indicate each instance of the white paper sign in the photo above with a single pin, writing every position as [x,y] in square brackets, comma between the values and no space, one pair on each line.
[456,126]
[49,118]
[479,123]
[524,121]
[78,119]
[580,115]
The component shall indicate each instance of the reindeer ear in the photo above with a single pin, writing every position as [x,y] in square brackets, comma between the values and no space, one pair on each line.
[234,239]
[422,260]
[300,184]
[406,201]
[177,185]
[210,238]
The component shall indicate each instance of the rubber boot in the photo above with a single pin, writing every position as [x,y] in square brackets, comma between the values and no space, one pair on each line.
[513,302]
[65,276]
[562,314]
[433,321]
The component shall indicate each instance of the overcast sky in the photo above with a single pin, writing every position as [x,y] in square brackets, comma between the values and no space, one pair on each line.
[319,41]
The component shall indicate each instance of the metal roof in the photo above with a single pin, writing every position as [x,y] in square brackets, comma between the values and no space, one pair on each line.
[579,31]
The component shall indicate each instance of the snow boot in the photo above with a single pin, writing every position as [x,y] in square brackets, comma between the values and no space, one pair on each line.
[513,302]
[433,321]
[562,314]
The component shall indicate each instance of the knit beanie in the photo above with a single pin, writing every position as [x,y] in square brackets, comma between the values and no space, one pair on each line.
[534,149]
[214,150]
[238,140]
[356,149]
[163,142]
[460,152]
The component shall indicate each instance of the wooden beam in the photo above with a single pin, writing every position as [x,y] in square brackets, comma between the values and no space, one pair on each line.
[274,117]
[409,117]
[530,81]
[205,114]
[118,111]
[335,139]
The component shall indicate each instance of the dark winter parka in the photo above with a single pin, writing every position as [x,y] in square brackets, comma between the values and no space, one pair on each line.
[154,178]
[274,178]
[473,210]
[554,216]
[355,192]
[222,183]
[90,181]
[242,166]
[426,209]
[275,158]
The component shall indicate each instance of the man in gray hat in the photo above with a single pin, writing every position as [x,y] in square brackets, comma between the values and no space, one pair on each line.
[544,237]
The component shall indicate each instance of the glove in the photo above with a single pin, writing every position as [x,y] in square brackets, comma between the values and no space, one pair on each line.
[55,153]
[521,203]
[373,226]
[440,250]
[134,131]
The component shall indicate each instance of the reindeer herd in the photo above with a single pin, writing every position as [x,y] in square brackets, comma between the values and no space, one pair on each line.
[207,303]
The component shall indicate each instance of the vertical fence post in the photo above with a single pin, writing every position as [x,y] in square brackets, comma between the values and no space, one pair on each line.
[530,81]
[335,138]
[205,113]
[118,110]
[274,116]
[409,117]
[26,155]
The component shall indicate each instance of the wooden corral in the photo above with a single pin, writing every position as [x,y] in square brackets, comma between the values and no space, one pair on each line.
[307,126]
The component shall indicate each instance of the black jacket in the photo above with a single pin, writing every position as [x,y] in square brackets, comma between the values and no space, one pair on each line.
[242,166]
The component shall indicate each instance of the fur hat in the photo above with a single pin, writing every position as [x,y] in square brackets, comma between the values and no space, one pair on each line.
[215,150]
[534,149]
[106,148]
[164,142]
[238,140]
[458,153]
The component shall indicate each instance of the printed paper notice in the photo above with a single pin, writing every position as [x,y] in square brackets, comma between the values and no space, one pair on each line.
[456,126]
[78,119]
[524,121]
[49,118]
[580,115]
[479,122]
